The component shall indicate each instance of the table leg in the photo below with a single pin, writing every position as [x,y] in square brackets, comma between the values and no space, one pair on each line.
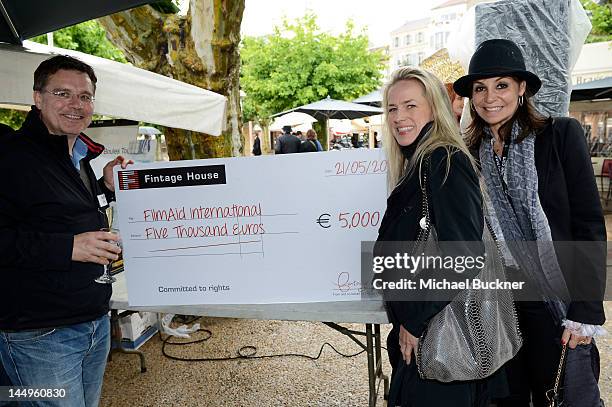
[116,339]
[379,361]
[371,365]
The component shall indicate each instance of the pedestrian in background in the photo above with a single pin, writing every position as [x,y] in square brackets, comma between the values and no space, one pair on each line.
[311,144]
[287,143]
[257,145]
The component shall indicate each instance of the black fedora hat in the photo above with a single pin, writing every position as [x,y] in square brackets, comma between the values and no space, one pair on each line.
[493,58]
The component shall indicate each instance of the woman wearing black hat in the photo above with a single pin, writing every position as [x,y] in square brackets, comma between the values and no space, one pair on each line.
[541,188]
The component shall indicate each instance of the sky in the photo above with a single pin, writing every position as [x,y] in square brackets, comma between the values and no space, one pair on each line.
[381,17]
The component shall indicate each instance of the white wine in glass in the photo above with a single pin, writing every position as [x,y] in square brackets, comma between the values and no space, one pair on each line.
[106,277]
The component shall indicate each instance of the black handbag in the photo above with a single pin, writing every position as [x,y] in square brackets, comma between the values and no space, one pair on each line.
[556,396]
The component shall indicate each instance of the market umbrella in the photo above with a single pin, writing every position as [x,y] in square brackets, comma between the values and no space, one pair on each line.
[22,19]
[148,131]
[373,98]
[598,89]
[328,108]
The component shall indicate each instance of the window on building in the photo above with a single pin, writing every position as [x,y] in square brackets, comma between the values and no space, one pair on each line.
[421,57]
[396,42]
[420,37]
[411,59]
[408,39]
[439,41]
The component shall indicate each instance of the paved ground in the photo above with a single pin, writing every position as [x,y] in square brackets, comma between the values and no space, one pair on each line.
[289,381]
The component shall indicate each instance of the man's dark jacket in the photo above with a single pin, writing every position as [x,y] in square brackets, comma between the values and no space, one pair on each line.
[287,144]
[43,205]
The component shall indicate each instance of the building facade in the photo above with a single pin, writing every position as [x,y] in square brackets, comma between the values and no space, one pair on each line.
[416,40]
[409,44]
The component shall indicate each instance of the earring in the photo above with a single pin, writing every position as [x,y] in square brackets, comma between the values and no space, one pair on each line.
[520,100]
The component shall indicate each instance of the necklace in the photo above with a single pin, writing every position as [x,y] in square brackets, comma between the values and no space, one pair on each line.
[500,161]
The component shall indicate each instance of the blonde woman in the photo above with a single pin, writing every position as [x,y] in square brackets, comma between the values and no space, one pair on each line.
[421,138]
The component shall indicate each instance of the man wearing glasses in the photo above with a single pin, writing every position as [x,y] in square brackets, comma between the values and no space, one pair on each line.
[54,326]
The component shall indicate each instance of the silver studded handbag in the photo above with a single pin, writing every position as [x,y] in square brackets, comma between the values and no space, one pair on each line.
[478,331]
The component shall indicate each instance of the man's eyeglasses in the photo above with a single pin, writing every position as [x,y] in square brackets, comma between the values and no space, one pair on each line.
[67,95]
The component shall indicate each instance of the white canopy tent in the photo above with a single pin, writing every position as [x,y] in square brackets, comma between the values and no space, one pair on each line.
[123,91]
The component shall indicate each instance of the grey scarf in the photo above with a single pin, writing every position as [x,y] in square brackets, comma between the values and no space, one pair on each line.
[517,217]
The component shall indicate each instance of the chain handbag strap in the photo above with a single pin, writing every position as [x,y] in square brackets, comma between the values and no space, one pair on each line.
[553,398]
[424,229]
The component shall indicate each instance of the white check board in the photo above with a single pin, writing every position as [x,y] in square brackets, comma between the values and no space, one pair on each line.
[267,229]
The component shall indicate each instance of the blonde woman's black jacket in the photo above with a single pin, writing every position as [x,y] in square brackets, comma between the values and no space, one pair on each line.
[455,206]
[43,205]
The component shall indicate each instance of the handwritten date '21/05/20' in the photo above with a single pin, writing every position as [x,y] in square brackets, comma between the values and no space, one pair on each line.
[363,167]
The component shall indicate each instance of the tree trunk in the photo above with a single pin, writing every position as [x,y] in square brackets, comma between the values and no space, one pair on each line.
[200,48]
[322,133]
[266,147]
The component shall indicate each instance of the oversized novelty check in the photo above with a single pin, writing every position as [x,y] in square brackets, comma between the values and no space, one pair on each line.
[267,229]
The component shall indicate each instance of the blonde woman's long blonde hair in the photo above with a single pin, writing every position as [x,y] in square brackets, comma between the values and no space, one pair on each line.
[443,133]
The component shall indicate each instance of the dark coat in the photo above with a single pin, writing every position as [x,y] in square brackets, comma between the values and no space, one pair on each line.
[456,211]
[287,144]
[43,205]
[308,146]
[257,146]
[568,194]
[569,197]
[4,129]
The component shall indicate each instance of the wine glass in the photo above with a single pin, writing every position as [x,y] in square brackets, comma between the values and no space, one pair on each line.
[106,277]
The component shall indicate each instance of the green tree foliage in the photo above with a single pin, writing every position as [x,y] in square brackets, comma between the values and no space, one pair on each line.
[88,37]
[601,18]
[13,118]
[166,6]
[299,64]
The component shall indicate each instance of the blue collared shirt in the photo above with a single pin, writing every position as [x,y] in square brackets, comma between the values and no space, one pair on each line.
[79,151]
